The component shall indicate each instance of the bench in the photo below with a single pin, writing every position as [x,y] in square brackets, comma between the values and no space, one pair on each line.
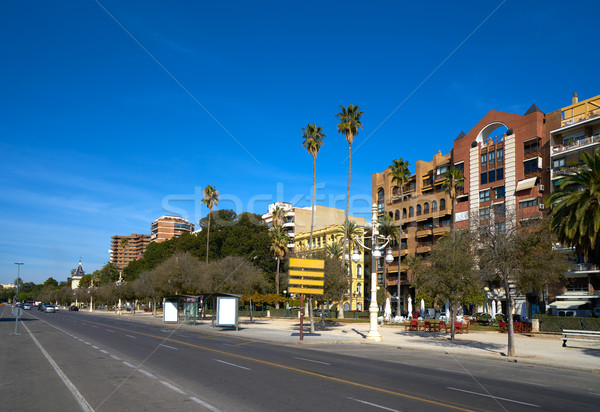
[581,335]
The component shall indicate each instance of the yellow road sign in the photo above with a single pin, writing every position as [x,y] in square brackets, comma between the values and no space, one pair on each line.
[306,276]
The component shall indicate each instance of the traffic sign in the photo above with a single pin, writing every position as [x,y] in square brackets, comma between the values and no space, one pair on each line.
[307,276]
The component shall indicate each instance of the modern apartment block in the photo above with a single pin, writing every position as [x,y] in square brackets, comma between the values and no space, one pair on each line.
[124,251]
[575,129]
[425,212]
[167,227]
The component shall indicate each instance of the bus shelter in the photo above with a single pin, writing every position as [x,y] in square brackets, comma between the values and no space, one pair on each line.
[190,308]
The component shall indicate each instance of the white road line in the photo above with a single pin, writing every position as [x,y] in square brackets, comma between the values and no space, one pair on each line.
[184,336]
[175,388]
[167,346]
[374,404]
[95,347]
[206,405]
[103,351]
[525,382]
[229,344]
[310,360]
[147,373]
[111,331]
[129,336]
[94,326]
[128,364]
[78,396]
[494,397]
[115,357]
[87,343]
[232,364]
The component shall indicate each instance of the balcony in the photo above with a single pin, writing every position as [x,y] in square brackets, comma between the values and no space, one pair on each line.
[564,171]
[440,230]
[576,144]
[289,224]
[423,248]
[569,118]
[585,267]
[426,231]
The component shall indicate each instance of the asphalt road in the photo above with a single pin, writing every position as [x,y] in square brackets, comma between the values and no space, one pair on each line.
[118,363]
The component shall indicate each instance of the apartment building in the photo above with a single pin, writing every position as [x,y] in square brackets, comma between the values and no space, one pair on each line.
[167,227]
[124,249]
[575,129]
[424,209]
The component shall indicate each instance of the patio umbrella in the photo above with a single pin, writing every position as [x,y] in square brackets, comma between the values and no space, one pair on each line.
[387,312]
[422,307]
[447,310]
[409,306]
[493,310]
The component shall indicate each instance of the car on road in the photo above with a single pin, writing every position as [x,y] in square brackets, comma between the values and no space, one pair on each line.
[26,306]
[73,308]
[49,309]
[56,307]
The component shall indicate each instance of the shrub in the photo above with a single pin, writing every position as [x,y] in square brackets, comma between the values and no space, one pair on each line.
[557,324]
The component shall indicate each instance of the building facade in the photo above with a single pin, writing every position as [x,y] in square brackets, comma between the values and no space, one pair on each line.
[122,252]
[76,277]
[167,227]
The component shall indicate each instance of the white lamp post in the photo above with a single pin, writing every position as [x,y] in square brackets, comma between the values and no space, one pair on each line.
[374,333]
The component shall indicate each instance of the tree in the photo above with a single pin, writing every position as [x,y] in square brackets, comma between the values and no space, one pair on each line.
[520,259]
[211,199]
[575,208]
[278,213]
[448,273]
[180,274]
[351,231]
[51,281]
[349,125]
[313,140]
[334,249]
[124,242]
[453,184]
[400,172]
[279,242]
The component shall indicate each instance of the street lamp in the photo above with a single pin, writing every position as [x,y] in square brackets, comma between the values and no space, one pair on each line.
[17,308]
[376,249]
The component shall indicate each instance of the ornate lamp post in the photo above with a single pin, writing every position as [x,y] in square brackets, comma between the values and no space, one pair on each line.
[376,249]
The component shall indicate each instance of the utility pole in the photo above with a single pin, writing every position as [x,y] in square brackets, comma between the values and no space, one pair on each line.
[17,309]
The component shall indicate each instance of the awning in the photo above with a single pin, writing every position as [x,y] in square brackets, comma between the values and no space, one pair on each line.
[568,304]
[526,184]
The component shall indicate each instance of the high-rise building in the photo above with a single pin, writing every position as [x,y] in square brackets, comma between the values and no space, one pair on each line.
[124,249]
[167,227]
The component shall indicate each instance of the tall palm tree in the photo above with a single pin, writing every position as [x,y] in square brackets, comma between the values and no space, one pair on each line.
[349,125]
[279,242]
[211,199]
[575,214]
[313,140]
[453,184]
[278,213]
[400,172]
[351,230]
[334,249]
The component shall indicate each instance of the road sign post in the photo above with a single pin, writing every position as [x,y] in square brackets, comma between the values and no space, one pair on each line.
[306,277]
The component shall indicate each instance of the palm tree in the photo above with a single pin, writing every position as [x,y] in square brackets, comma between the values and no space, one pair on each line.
[211,199]
[279,242]
[575,215]
[313,140]
[387,228]
[124,242]
[349,125]
[351,230]
[400,172]
[278,213]
[453,184]
[334,249]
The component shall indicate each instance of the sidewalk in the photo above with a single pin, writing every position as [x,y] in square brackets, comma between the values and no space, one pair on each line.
[539,349]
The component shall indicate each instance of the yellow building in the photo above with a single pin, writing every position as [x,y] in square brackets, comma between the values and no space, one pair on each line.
[354,298]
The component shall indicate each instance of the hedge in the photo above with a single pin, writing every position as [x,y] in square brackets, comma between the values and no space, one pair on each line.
[557,324]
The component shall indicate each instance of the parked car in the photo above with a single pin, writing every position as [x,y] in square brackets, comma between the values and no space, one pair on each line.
[73,308]
[49,309]
[42,307]
[56,307]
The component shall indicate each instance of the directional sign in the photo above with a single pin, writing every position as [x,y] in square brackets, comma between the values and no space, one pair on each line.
[307,276]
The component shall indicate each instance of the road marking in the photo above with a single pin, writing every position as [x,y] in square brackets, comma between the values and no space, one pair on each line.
[175,388]
[310,360]
[525,382]
[246,343]
[167,346]
[147,373]
[103,351]
[78,396]
[128,364]
[95,347]
[230,344]
[232,364]
[452,370]
[87,343]
[115,357]
[94,326]
[184,336]
[111,331]
[375,405]
[133,337]
[494,397]
[206,405]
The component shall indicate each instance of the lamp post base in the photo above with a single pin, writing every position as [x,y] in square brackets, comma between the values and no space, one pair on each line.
[374,336]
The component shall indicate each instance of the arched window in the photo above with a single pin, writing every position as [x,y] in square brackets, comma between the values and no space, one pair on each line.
[397,215]
[411,211]
[434,206]
[426,208]
[380,201]
[395,191]
[391,214]
[442,204]
[404,213]
[419,210]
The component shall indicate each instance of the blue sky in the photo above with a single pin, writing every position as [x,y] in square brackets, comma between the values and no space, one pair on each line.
[115,113]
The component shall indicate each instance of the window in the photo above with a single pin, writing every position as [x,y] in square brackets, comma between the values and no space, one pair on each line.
[461,167]
[500,155]
[397,215]
[404,213]
[531,146]
[418,210]
[484,159]
[434,206]
[442,204]
[500,227]
[528,203]
[380,201]
[499,210]
[499,192]
[558,163]
[492,177]
[411,211]
[484,195]
[500,173]
[531,166]
[441,170]
[395,190]
[484,213]
[359,271]
[391,214]
[491,157]
[426,208]
[484,177]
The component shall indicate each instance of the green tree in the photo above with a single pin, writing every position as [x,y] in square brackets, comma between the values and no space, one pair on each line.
[349,125]
[453,184]
[279,242]
[334,249]
[400,172]
[449,272]
[575,208]
[211,199]
[51,281]
[350,230]
[313,140]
